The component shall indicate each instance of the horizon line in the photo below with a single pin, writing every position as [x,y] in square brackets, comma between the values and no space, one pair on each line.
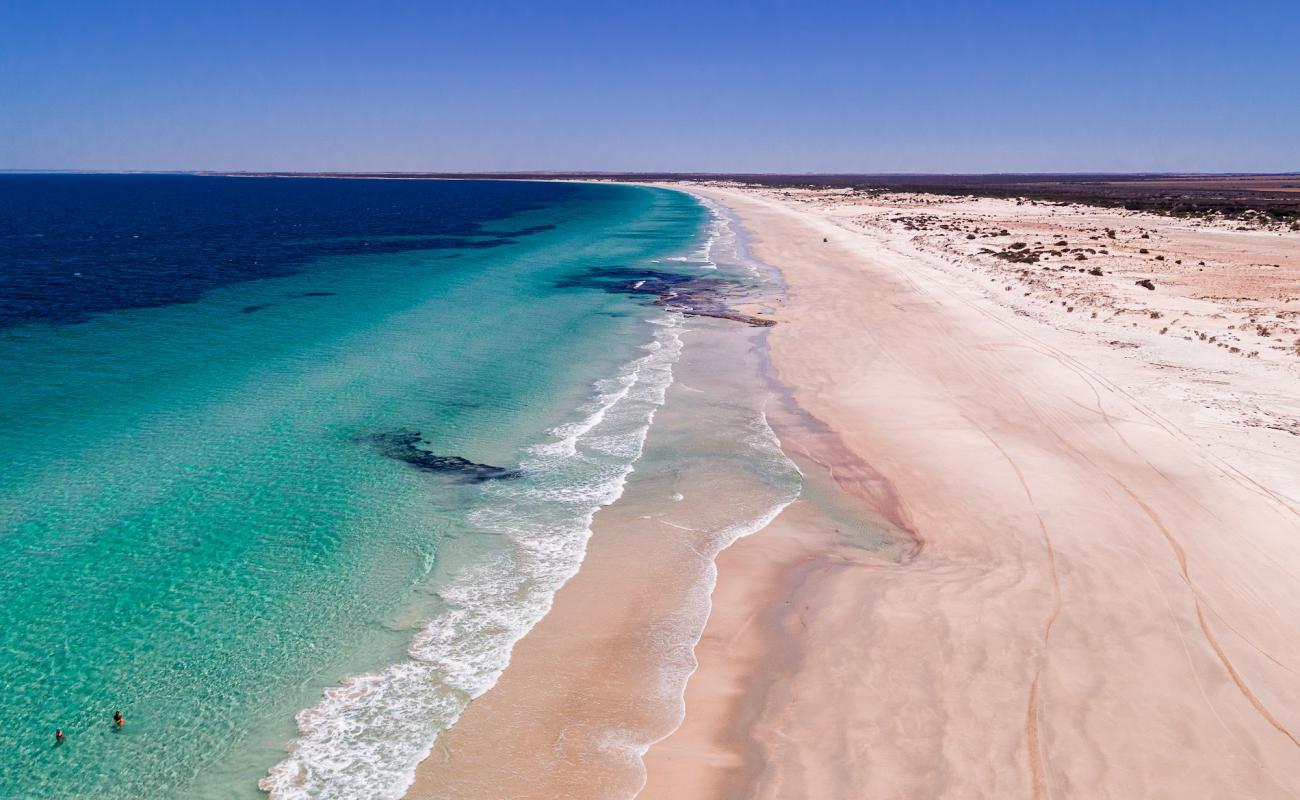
[623,173]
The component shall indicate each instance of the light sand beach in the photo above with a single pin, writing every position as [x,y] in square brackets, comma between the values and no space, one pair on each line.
[1048,544]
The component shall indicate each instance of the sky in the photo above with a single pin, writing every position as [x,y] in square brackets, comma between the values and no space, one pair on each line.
[1045,86]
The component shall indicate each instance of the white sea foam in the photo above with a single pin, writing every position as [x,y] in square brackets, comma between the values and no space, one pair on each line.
[725,244]
[717,228]
[366,736]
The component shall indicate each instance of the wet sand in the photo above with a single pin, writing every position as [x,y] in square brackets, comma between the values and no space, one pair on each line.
[601,677]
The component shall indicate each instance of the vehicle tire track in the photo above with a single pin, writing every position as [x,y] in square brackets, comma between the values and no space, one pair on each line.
[1037,776]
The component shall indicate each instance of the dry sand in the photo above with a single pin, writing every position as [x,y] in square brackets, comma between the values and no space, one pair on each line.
[1104,602]
[1042,553]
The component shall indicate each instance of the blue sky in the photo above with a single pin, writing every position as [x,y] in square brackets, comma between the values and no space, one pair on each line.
[757,86]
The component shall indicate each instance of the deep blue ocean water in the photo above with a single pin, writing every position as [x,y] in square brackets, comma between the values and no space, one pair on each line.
[260,435]
[75,245]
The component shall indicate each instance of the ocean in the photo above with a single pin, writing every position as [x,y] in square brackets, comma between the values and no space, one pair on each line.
[290,464]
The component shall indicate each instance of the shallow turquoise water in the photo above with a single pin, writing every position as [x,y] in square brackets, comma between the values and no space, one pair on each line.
[195,529]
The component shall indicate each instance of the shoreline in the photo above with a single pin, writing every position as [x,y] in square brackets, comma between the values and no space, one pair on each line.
[1021,564]
[543,698]
[598,680]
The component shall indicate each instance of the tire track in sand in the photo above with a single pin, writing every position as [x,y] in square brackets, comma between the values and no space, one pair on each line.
[1037,776]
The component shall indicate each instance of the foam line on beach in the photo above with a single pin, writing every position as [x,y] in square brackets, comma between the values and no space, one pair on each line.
[697,611]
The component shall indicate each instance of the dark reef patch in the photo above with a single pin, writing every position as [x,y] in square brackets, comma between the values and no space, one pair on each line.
[692,295]
[624,280]
[404,445]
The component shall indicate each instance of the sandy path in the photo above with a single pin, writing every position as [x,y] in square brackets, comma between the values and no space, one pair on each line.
[1101,604]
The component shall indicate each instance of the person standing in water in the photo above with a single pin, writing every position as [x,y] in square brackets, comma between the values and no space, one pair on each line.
[118,719]
[58,736]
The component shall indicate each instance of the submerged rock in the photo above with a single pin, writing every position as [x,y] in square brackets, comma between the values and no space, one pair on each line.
[736,316]
[404,445]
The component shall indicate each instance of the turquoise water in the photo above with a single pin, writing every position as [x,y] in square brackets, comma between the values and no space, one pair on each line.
[198,529]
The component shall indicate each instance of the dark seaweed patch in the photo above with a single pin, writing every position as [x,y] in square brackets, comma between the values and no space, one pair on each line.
[486,243]
[404,445]
[413,243]
[694,296]
[530,230]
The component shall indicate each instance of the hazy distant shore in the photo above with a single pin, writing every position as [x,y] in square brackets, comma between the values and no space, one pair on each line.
[1273,197]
